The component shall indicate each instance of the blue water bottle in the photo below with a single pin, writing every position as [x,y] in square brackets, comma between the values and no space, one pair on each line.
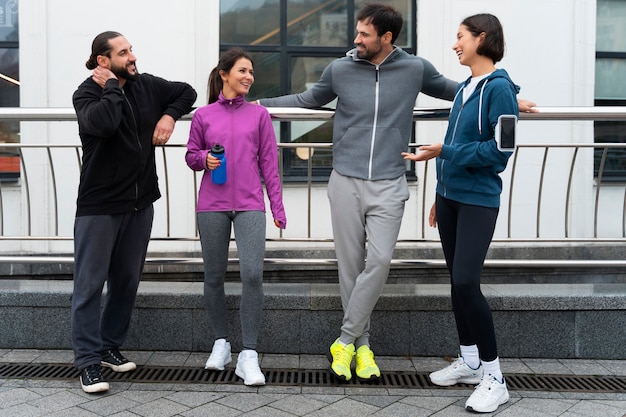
[218,175]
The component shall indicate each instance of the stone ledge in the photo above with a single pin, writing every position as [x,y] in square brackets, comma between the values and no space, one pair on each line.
[286,296]
[532,320]
[416,262]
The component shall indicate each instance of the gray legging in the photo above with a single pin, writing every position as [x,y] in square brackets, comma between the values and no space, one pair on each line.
[215,228]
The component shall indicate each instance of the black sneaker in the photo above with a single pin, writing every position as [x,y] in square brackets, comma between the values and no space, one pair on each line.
[91,380]
[113,359]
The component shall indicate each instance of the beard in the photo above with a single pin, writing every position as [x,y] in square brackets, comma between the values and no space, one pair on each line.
[122,72]
[370,53]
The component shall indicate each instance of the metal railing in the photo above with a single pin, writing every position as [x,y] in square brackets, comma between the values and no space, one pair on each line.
[31,209]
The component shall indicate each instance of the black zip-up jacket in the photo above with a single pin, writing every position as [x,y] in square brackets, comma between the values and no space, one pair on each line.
[116,125]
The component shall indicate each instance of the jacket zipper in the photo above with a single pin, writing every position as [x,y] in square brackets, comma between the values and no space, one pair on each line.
[374,124]
[132,113]
[232,135]
[456,123]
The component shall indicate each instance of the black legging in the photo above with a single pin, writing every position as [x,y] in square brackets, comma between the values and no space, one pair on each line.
[466,232]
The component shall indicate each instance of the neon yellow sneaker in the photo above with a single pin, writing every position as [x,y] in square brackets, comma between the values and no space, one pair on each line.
[366,368]
[341,360]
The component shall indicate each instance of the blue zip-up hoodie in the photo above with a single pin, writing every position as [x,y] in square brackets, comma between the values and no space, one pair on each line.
[469,165]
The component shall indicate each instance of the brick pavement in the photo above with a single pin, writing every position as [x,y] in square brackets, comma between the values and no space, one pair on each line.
[62,398]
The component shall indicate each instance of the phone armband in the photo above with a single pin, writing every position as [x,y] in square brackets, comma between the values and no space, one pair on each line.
[506,131]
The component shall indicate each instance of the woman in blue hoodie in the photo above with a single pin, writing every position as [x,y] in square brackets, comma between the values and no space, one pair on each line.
[467,203]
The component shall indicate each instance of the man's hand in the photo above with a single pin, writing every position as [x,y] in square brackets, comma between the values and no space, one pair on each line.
[163,130]
[101,75]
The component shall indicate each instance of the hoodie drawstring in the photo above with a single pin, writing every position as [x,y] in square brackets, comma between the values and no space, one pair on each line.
[480,108]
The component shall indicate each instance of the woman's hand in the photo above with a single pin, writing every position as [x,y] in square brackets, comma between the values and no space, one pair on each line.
[425,153]
[212,162]
[526,106]
[432,217]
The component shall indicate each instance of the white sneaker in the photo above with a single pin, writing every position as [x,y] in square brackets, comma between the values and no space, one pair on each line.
[458,372]
[220,355]
[248,368]
[488,395]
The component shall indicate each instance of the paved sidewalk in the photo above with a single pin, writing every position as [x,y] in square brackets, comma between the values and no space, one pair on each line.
[52,398]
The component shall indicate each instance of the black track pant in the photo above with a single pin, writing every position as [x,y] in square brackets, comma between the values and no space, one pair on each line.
[466,232]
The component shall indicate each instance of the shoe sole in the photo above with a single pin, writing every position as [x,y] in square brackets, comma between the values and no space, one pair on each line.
[127,367]
[214,368]
[250,384]
[450,382]
[370,379]
[94,388]
[341,378]
[217,368]
[489,410]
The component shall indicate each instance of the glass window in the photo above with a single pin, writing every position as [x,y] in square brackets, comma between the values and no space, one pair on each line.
[610,78]
[9,92]
[610,89]
[8,21]
[614,168]
[305,71]
[291,42]
[249,22]
[9,87]
[266,66]
[317,23]
[297,159]
[9,76]
[611,30]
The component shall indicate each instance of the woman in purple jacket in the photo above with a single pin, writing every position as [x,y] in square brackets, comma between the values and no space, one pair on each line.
[245,131]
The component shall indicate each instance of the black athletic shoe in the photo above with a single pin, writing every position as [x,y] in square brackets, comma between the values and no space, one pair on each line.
[113,359]
[91,380]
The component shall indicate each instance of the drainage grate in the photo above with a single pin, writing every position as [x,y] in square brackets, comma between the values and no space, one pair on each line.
[417,380]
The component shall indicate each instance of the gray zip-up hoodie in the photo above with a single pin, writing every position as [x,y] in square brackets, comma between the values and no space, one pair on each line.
[374,114]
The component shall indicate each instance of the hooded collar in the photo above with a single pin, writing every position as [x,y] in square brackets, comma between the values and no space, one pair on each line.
[498,73]
[352,54]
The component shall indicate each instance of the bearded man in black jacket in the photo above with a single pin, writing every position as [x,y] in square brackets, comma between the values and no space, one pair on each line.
[121,115]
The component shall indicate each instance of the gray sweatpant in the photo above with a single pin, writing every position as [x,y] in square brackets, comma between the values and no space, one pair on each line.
[361,211]
[214,228]
[108,249]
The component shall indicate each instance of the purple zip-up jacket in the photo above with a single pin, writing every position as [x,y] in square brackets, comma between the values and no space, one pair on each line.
[246,133]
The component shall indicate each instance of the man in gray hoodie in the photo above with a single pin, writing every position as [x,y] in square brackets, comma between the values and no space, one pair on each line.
[377,85]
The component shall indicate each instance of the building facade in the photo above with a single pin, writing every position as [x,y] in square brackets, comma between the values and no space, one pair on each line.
[551,54]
